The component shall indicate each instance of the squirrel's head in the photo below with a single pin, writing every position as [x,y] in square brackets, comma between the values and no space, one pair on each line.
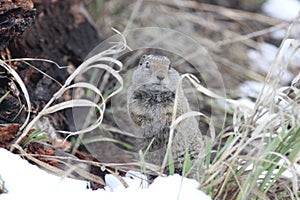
[155,69]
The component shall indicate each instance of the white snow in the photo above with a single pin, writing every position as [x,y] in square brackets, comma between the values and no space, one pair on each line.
[247,101]
[132,178]
[251,89]
[264,57]
[282,9]
[262,60]
[286,10]
[26,181]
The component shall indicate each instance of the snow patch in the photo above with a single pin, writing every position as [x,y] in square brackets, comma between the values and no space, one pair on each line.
[251,89]
[26,181]
[282,9]
[134,179]
[247,101]
[286,10]
[263,59]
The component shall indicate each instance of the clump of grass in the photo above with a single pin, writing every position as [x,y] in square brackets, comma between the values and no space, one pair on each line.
[262,146]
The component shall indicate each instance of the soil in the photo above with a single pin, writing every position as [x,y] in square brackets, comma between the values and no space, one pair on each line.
[7,134]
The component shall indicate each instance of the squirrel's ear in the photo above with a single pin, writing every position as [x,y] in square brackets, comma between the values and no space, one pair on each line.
[142,59]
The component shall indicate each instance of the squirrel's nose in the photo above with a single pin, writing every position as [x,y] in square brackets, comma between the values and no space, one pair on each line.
[160,77]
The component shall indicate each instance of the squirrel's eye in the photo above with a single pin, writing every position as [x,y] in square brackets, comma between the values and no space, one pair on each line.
[147,65]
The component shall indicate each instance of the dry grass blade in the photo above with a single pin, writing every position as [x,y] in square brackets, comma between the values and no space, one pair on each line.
[38,162]
[24,60]
[209,93]
[240,38]
[60,172]
[82,172]
[228,12]
[23,88]
[172,129]
[185,116]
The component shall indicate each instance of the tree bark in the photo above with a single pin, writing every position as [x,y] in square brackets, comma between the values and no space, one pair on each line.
[15,18]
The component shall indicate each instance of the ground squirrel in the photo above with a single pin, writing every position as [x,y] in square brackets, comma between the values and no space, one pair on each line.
[150,101]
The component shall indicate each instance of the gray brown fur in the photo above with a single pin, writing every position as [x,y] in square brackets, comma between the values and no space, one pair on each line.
[150,102]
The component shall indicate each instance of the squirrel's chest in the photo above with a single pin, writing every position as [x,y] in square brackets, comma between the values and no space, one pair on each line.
[151,106]
[154,99]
